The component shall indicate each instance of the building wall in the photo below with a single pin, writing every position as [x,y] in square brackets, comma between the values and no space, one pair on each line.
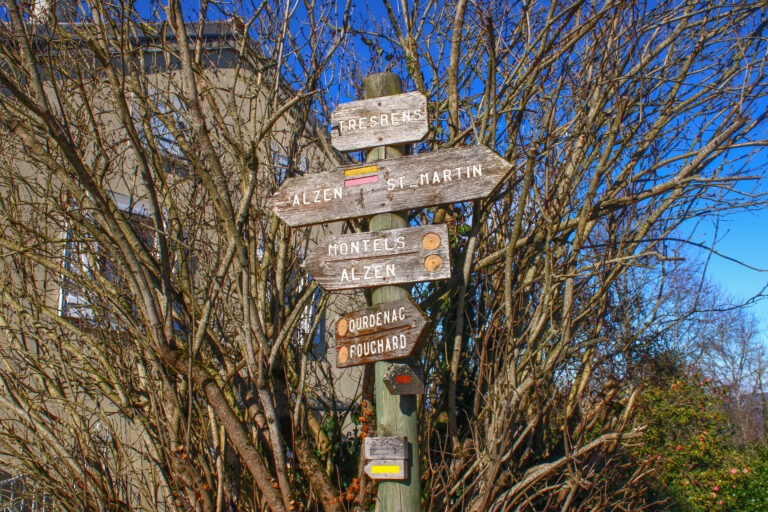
[35,194]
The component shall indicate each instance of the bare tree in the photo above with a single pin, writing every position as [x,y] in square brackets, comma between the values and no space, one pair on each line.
[623,121]
[156,326]
[735,357]
[173,367]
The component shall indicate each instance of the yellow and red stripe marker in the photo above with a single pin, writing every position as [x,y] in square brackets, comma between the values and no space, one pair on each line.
[361,175]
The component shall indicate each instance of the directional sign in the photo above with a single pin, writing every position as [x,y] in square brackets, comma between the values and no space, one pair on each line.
[392,256]
[401,379]
[384,121]
[389,457]
[379,333]
[396,184]
[387,469]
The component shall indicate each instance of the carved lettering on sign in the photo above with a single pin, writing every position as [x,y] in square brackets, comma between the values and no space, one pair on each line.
[393,447]
[365,246]
[449,175]
[392,256]
[406,183]
[392,313]
[385,121]
[317,196]
[392,118]
[386,331]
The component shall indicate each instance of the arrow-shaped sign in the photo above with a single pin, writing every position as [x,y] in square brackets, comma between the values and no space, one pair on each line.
[384,121]
[386,331]
[409,182]
[383,469]
[392,256]
[390,457]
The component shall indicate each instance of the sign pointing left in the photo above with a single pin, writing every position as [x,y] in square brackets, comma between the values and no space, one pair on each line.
[387,456]
[377,258]
[384,469]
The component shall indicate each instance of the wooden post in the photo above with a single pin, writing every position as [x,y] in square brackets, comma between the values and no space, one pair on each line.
[395,414]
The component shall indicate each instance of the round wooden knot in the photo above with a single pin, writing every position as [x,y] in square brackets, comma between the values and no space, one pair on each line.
[433,263]
[343,355]
[431,241]
[342,327]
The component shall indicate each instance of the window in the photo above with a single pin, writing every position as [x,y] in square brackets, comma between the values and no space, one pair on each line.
[85,259]
[279,161]
[312,317]
[72,300]
[161,115]
[19,493]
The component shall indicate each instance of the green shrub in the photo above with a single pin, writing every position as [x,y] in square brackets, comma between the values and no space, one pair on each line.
[696,468]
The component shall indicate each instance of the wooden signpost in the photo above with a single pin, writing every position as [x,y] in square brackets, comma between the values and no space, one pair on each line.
[401,379]
[386,331]
[405,183]
[387,456]
[382,121]
[393,326]
[392,256]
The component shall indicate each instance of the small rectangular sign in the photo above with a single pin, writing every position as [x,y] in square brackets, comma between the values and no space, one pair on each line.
[393,256]
[384,121]
[395,447]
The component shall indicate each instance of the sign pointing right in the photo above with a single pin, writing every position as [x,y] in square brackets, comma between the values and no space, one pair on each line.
[406,183]
[386,331]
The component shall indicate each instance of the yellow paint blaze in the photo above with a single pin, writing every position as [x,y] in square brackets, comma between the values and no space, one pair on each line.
[380,470]
[368,169]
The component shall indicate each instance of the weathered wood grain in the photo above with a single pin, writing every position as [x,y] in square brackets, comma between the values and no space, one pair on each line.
[401,379]
[392,256]
[397,184]
[394,447]
[384,121]
[385,331]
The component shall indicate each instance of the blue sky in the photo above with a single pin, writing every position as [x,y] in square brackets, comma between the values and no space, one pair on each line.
[742,236]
